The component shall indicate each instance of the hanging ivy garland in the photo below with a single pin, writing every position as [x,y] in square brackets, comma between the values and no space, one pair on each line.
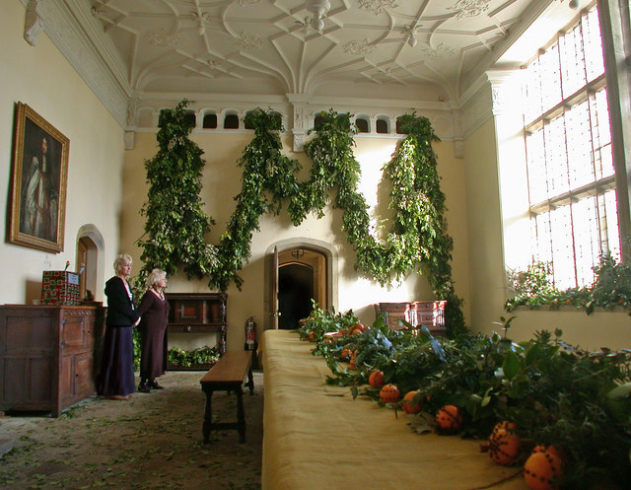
[268,180]
[175,221]
[417,241]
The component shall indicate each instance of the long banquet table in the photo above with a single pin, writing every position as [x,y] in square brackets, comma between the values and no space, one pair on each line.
[317,437]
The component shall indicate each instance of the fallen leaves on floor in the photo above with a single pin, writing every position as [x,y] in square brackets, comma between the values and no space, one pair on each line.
[151,442]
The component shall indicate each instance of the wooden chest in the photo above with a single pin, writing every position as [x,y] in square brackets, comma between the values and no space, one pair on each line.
[47,356]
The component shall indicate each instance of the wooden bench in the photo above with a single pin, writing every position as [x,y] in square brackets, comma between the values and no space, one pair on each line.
[227,374]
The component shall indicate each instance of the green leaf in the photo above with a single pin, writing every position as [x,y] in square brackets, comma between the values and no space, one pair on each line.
[511,366]
[622,391]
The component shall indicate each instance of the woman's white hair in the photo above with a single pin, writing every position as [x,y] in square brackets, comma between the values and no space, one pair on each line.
[155,276]
[120,261]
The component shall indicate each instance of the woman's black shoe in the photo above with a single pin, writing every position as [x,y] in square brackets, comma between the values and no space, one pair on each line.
[154,385]
[143,388]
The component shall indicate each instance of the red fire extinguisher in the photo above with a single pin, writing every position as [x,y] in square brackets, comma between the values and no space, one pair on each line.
[250,334]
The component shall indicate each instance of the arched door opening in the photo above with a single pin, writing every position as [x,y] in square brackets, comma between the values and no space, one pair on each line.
[300,276]
[295,292]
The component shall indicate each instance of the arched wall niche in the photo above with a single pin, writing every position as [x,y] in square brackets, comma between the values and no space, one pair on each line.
[91,252]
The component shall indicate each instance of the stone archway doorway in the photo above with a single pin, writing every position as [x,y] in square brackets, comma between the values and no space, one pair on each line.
[300,277]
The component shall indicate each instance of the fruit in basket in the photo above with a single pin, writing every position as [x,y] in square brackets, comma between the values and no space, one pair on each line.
[409,405]
[376,379]
[543,467]
[448,419]
[389,394]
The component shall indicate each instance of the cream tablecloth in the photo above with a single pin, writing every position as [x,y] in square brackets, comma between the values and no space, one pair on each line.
[317,437]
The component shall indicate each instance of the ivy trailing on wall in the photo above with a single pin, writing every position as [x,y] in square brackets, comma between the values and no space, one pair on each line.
[417,242]
[268,180]
[175,221]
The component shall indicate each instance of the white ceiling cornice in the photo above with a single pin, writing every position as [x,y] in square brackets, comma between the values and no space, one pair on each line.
[63,21]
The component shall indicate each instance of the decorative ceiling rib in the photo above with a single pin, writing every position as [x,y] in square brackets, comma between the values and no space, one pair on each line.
[300,46]
[395,53]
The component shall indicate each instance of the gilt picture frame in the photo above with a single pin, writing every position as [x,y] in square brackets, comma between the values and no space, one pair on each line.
[38,182]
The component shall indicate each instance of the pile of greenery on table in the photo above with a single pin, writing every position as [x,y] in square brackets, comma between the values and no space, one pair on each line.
[555,393]
[535,287]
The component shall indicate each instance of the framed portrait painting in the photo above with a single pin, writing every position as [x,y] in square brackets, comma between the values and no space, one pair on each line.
[39,177]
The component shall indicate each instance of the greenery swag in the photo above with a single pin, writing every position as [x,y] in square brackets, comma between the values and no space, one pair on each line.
[417,242]
[555,393]
[175,221]
[535,287]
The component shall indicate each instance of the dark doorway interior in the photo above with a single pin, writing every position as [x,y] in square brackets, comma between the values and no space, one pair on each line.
[295,291]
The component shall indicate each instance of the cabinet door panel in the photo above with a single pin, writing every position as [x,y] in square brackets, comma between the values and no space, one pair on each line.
[39,335]
[27,380]
[189,311]
[84,379]
[66,378]
[73,332]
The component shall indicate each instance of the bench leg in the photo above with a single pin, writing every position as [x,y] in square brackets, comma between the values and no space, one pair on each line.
[250,382]
[240,415]
[208,415]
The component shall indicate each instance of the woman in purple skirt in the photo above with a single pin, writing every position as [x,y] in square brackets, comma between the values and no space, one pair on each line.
[116,376]
[154,309]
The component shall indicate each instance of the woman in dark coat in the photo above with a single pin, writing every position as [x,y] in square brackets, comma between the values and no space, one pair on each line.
[154,309]
[116,376]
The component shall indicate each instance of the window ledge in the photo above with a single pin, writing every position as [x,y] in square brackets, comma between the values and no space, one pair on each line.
[570,309]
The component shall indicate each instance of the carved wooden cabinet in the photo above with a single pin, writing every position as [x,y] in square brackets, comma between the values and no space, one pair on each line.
[199,313]
[47,356]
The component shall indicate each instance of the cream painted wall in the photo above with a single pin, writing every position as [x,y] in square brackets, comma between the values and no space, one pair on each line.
[222,181]
[486,264]
[611,329]
[41,77]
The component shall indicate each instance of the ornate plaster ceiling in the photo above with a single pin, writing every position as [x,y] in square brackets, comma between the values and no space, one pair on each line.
[393,48]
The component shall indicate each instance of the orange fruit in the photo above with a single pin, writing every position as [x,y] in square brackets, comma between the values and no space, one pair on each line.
[409,405]
[389,394]
[359,327]
[504,447]
[346,355]
[448,419]
[353,357]
[376,379]
[543,467]
[506,425]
